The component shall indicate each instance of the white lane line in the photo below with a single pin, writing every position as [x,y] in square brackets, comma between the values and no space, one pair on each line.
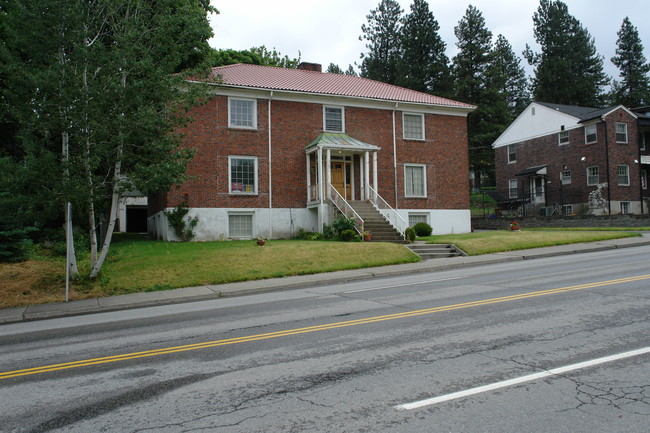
[403,285]
[518,380]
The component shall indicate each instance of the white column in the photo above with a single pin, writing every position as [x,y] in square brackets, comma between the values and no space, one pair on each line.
[328,162]
[308,177]
[374,173]
[320,175]
[362,182]
[366,168]
[319,171]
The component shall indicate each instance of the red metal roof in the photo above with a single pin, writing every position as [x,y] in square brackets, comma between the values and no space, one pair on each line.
[299,80]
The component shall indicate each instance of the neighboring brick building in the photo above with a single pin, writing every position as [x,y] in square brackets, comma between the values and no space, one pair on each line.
[554,158]
[259,142]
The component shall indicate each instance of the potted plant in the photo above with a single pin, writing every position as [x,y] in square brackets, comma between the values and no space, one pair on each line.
[514,226]
[260,241]
[367,236]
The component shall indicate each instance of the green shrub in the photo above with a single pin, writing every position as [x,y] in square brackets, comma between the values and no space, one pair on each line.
[342,223]
[422,229]
[348,235]
[409,234]
[183,229]
[15,244]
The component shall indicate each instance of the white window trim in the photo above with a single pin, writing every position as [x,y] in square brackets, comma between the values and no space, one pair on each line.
[559,138]
[230,191]
[627,205]
[418,214]
[424,180]
[616,132]
[511,161]
[627,174]
[338,107]
[565,180]
[230,124]
[421,116]
[511,189]
[593,184]
[595,127]
[251,214]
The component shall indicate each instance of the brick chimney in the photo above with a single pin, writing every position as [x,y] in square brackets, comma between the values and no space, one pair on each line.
[310,67]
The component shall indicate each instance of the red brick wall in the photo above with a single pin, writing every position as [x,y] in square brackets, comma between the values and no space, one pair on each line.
[295,125]
[546,151]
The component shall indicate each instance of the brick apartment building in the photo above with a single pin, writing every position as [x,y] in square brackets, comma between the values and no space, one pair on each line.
[558,159]
[275,148]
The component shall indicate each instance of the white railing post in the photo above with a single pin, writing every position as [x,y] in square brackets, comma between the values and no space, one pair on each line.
[344,207]
[388,212]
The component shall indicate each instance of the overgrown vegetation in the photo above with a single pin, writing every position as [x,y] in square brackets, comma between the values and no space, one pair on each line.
[183,227]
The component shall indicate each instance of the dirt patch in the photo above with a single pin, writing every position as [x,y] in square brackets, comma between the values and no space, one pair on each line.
[32,282]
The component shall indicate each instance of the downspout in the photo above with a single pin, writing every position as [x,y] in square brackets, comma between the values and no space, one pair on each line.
[395,156]
[609,185]
[270,175]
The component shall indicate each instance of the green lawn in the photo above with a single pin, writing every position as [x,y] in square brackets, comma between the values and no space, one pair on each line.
[136,264]
[486,242]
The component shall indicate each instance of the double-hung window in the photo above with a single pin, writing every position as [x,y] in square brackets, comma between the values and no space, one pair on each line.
[565,177]
[592,175]
[512,153]
[413,126]
[621,132]
[333,119]
[513,189]
[415,180]
[242,174]
[591,135]
[242,113]
[623,175]
[563,137]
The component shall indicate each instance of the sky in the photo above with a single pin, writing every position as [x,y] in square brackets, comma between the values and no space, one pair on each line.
[327,31]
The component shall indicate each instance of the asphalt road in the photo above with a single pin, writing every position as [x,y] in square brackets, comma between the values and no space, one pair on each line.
[558,344]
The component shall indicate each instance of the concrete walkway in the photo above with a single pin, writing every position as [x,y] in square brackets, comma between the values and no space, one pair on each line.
[191,294]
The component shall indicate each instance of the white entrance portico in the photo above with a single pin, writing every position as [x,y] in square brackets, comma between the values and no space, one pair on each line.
[342,166]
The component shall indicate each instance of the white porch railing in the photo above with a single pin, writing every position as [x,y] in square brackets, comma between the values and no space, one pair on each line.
[344,207]
[387,211]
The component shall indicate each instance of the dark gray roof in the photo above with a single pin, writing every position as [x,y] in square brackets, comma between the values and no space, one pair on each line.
[582,113]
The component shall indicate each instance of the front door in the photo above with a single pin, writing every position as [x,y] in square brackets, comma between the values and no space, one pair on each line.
[537,189]
[339,179]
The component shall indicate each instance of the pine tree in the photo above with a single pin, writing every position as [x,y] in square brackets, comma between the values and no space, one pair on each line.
[383,35]
[424,66]
[634,88]
[470,70]
[568,70]
[508,77]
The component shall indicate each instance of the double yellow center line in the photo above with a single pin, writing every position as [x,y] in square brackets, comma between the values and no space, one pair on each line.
[296,331]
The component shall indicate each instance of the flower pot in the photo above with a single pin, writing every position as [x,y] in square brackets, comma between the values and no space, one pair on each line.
[367,238]
[261,242]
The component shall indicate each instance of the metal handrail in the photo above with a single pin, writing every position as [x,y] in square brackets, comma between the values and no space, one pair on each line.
[387,211]
[344,207]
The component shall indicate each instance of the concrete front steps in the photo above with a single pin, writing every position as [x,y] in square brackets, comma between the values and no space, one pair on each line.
[434,251]
[375,223]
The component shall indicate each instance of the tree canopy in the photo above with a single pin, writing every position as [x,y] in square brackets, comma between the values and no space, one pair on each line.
[568,56]
[382,33]
[633,90]
[98,79]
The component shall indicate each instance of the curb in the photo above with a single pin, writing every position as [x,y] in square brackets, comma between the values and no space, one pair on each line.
[210,292]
